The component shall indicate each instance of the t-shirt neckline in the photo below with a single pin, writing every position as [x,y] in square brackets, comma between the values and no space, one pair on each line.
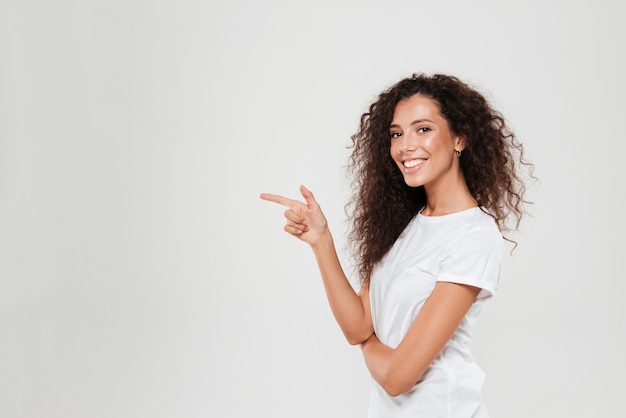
[441,218]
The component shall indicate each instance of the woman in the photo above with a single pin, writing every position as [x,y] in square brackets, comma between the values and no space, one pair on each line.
[436,182]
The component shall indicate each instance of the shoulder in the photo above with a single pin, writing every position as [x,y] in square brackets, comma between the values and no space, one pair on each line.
[482,226]
[475,255]
[477,237]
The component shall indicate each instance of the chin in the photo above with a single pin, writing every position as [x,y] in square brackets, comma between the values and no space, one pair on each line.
[413,182]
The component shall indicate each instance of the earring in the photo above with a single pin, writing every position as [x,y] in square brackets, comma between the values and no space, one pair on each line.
[458,153]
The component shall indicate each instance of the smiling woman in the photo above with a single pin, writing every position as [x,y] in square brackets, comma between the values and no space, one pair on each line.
[436,180]
[423,146]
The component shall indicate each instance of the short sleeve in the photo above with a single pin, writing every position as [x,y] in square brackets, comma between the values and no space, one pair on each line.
[475,260]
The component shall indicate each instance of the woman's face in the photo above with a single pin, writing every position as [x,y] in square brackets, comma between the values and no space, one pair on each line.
[422,145]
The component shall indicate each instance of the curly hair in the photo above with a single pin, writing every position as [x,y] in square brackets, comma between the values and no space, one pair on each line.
[382,204]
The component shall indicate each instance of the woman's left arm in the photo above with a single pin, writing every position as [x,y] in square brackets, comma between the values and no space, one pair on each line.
[397,370]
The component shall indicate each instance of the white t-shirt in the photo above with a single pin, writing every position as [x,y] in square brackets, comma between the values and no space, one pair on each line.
[464,247]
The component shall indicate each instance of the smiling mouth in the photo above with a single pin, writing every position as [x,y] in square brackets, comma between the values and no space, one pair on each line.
[414,163]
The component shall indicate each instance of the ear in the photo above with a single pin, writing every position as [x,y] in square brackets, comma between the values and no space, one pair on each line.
[459,143]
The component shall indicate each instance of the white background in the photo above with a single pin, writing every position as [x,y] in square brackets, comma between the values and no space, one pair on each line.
[141,276]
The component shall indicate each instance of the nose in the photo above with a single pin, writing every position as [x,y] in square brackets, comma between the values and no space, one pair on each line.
[408,144]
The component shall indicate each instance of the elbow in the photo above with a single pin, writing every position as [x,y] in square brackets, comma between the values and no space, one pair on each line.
[357,338]
[395,389]
[394,384]
[355,341]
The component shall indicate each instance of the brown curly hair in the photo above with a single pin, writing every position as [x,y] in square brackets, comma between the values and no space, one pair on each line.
[382,204]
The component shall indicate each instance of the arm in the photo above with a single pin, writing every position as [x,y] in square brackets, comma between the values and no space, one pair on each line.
[397,370]
[351,310]
[307,222]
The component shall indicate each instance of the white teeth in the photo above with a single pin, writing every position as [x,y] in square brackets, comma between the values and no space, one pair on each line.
[413,163]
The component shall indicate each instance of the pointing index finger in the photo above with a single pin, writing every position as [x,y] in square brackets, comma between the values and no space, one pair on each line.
[281,200]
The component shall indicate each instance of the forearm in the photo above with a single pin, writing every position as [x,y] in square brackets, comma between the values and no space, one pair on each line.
[347,307]
[376,356]
[382,362]
[397,370]
[307,222]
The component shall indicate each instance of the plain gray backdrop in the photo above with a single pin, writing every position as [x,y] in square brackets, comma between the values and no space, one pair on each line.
[141,275]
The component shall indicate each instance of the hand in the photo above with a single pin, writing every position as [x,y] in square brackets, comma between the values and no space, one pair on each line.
[304,220]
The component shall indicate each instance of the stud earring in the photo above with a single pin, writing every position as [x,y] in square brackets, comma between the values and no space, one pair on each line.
[458,153]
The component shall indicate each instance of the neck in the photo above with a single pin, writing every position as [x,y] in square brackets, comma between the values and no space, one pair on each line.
[444,199]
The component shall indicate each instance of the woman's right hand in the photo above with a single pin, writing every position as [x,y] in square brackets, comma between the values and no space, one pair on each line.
[304,220]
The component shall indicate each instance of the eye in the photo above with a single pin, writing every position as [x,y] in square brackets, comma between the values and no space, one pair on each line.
[393,135]
[424,129]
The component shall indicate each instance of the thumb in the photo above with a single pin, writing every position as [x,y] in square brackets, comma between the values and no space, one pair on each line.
[308,196]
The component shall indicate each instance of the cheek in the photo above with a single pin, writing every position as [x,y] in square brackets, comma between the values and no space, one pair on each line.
[430,142]
[393,149]
[437,145]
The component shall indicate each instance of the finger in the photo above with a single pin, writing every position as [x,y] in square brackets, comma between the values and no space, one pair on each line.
[297,226]
[308,196]
[294,216]
[295,221]
[281,200]
[293,230]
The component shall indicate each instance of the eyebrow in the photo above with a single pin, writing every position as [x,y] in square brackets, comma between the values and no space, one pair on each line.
[415,122]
